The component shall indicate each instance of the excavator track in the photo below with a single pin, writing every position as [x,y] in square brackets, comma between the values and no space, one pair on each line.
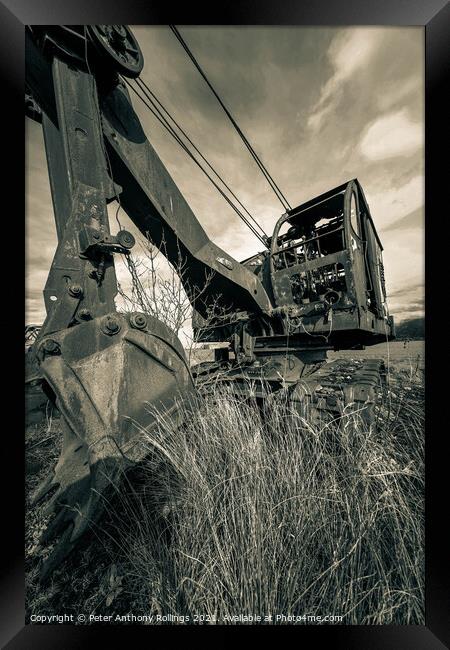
[331,391]
[341,389]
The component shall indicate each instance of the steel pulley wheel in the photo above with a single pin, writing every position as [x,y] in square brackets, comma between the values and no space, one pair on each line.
[117,45]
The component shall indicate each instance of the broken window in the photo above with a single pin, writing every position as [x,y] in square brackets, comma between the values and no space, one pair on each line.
[308,240]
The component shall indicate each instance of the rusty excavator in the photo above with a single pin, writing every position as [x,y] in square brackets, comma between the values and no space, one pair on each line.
[317,285]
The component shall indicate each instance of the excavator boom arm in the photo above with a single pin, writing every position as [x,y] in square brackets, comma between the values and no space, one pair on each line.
[147,192]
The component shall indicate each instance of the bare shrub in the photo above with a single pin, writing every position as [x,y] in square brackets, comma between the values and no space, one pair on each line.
[162,289]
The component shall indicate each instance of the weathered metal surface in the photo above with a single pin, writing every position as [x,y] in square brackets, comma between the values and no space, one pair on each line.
[342,387]
[110,377]
[320,392]
[320,286]
[324,251]
[118,47]
[80,184]
[324,277]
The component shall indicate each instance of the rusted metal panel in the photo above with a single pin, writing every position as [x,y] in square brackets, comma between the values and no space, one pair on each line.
[321,260]
[79,183]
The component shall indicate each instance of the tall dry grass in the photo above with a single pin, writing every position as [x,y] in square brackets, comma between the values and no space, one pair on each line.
[250,510]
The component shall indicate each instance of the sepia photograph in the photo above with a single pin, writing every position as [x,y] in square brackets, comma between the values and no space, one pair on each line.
[225,322]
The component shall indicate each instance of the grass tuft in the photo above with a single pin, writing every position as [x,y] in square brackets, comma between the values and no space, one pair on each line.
[254,511]
[261,513]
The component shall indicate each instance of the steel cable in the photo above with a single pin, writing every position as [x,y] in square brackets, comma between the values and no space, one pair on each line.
[279,194]
[154,99]
[165,123]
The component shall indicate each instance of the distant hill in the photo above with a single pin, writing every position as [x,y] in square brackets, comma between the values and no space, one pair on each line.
[413,328]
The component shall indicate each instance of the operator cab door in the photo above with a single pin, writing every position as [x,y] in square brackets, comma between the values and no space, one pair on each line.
[373,262]
[355,244]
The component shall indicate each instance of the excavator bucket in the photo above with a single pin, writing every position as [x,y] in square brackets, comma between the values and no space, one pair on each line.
[110,378]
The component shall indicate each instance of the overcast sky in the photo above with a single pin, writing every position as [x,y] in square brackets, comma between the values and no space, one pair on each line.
[319,105]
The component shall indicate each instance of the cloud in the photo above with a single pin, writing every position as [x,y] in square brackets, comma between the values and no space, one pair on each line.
[392,204]
[406,289]
[391,135]
[349,51]
[404,263]
[407,301]
[413,219]
[395,92]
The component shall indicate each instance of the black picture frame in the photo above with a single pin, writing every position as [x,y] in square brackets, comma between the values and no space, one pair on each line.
[434,16]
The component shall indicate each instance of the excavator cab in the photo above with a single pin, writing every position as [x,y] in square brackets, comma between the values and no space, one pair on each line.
[326,258]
